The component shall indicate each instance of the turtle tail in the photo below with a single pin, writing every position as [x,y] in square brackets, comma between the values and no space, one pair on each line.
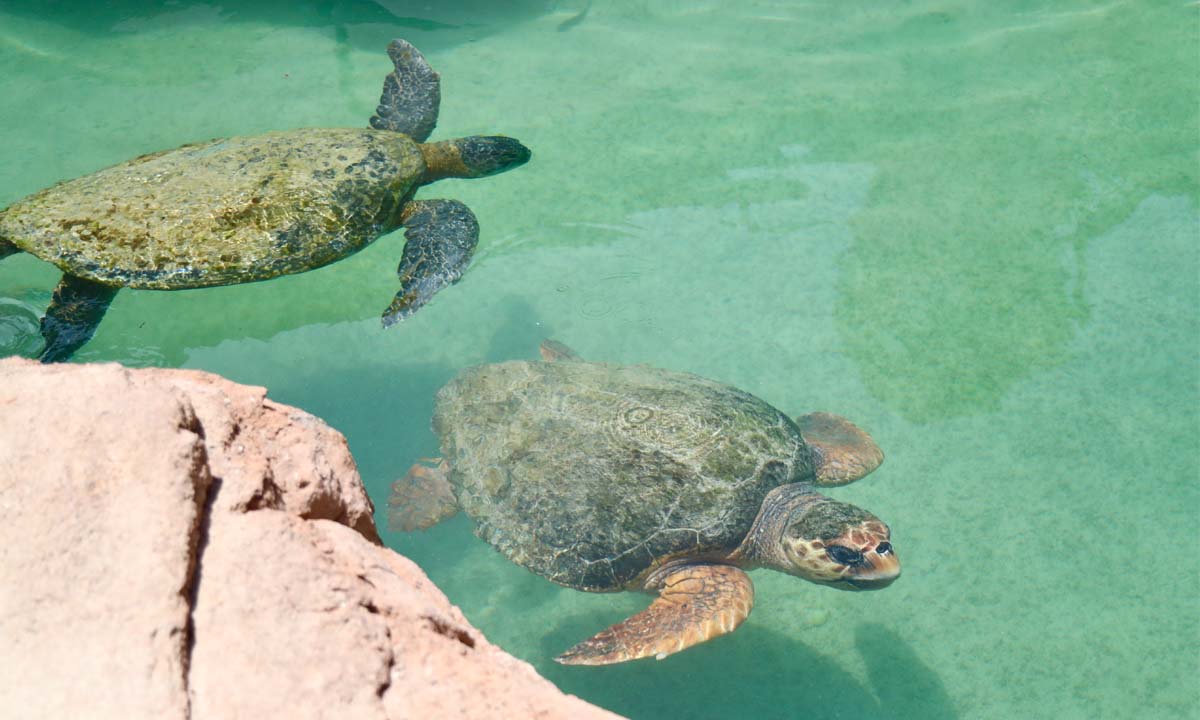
[472,157]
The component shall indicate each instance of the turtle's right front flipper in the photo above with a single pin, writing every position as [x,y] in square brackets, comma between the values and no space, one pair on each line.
[696,602]
[76,308]
[441,236]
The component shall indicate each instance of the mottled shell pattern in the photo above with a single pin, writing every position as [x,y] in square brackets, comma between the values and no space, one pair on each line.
[591,474]
[287,202]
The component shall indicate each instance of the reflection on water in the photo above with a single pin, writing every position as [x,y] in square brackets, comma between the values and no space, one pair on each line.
[436,25]
[19,328]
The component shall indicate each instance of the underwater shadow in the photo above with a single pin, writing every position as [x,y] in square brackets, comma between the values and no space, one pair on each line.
[367,24]
[519,333]
[164,328]
[754,672]
[383,410]
[904,685]
[474,575]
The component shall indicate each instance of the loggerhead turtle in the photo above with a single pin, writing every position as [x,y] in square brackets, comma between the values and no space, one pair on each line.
[605,478]
[241,209]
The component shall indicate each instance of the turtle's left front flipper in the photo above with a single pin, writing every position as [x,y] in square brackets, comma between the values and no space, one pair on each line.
[841,451]
[412,94]
[441,236]
[76,308]
[696,602]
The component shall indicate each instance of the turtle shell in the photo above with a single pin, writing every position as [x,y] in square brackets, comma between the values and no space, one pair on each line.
[590,474]
[225,211]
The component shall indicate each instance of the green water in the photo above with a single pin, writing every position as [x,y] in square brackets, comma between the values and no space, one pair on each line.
[972,227]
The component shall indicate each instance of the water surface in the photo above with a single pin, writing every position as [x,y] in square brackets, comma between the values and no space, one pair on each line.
[971,227]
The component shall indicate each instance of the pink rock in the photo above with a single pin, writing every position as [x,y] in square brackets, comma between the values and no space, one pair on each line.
[173,544]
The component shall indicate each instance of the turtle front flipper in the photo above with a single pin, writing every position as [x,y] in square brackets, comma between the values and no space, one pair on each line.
[842,452]
[76,308]
[441,237]
[422,498]
[411,94]
[696,602]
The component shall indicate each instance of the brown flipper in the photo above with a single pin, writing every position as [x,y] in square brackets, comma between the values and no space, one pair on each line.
[696,602]
[554,351]
[842,452]
[441,236]
[422,498]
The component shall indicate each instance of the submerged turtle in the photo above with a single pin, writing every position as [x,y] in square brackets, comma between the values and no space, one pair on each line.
[242,209]
[605,478]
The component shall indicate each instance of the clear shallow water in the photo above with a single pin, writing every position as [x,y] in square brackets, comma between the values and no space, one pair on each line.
[973,229]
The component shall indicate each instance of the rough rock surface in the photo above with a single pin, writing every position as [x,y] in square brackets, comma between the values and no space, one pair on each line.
[175,545]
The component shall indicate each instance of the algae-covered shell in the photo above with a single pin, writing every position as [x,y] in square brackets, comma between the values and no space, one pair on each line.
[224,211]
[590,474]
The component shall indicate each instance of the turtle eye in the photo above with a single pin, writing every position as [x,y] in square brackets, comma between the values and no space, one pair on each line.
[844,555]
[883,548]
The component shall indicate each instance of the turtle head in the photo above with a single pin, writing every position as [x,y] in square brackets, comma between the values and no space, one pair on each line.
[472,157]
[488,155]
[804,533]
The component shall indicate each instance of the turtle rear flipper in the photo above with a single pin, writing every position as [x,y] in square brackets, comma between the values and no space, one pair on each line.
[554,351]
[841,450]
[696,602]
[422,498]
[441,235]
[76,308]
[411,94]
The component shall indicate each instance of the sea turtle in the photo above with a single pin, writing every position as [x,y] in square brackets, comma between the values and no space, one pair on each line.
[240,209]
[605,478]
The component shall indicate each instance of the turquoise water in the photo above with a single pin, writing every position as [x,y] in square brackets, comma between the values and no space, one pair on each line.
[971,227]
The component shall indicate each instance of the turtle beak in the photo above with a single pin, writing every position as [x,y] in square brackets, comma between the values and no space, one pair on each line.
[880,568]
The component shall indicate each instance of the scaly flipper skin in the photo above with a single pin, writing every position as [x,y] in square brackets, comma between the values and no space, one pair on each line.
[76,308]
[441,236]
[696,602]
[411,94]
[422,498]
[554,351]
[842,452]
